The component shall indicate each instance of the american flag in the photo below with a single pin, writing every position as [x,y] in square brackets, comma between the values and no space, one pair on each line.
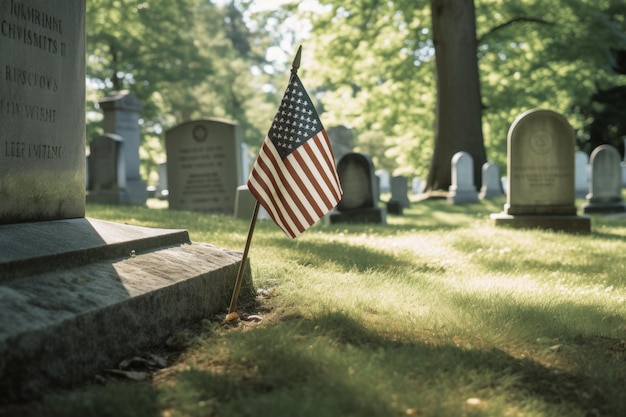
[294,177]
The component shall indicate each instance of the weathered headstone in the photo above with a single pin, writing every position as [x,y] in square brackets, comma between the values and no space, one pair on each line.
[244,205]
[359,203]
[78,294]
[416,185]
[491,182]
[341,140]
[384,181]
[581,164]
[42,112]
[203,165]
[399,195]
[540,171]
[462,190]
[162,190]
[121,117]
[107,171]
[605,191]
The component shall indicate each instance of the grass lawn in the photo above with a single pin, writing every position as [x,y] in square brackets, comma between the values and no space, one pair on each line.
[438,313]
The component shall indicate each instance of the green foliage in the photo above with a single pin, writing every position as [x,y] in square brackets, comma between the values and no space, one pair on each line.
[376,67]
[184,60]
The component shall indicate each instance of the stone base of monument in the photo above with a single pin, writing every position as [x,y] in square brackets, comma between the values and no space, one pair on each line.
[364,215]
[557,223]
[462,196]
[77,296]
[603,207]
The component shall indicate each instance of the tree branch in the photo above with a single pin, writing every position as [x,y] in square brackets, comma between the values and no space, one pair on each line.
[510,22]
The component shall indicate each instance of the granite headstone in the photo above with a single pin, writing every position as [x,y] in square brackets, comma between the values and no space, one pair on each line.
[540,172]
[605,191]
[42,111]
[121,117]
[581,164]
[203,165]
[462,190]
[491,181]
[107,171]
[359,203]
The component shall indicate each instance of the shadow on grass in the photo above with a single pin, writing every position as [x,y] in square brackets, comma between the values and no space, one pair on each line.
[333,366]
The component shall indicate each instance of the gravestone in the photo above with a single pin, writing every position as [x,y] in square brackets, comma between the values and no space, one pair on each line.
[161,191]
[42,113]
[244,205]
[107,171]
[78,294]
[491,181]
[341,141]
[605,191]
[203,165]
[462,190]
[581,163]
[416,185]
[359,203]
[384,181]
[121,117]
[399,195]
[540,172]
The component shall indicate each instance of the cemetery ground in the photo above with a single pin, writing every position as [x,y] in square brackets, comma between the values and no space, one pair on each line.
[437,313]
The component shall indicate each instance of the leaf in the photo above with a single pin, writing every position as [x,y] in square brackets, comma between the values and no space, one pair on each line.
[231,316]
[135,376]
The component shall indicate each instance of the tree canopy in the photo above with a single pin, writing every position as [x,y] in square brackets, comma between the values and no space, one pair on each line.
[370,65]
[375,61]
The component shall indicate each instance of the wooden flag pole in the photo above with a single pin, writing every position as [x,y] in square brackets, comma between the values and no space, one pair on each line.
[232,314]
[242,266]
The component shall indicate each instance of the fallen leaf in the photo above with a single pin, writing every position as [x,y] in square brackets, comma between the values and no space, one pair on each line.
[135,376]
[231,316]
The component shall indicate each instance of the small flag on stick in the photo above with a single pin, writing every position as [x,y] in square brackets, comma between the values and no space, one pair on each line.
[294,177]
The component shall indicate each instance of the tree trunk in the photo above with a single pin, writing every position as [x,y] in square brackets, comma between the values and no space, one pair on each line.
[458,124]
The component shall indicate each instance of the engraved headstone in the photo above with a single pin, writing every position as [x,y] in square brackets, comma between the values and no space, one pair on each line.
[203,165]
[107,171]
[605,191]
[399,195]
[581,163]
[161,191]
[540,172]
[341,140]
[384,181]
[416,185]
[121,117]
[462,190]
[491,181]
[359,203]
[78,294]
[42,111]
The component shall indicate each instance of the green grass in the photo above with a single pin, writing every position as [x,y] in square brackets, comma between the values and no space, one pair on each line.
[438,313]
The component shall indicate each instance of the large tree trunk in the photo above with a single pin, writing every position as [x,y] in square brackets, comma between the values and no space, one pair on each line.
[458,120]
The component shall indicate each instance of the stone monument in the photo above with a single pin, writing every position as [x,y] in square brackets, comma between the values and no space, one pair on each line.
[121,117]
[359,203]
[491,181]
[540,171]
[78,294]
[462,190]
[107,171]
[605,191]
[581,177]
[203,165]
[399,185]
